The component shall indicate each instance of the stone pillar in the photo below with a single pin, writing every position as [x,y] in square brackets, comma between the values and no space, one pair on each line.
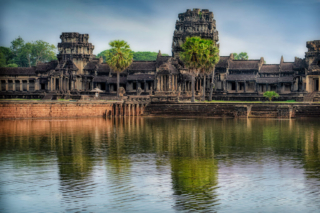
[236,86]
[28,85]
[137,110]
[319,85]
[170,82]
[245,87]
[158,83]
[21,85]
[196,85]
[14,85]
[7,85]
[129,110]
[278,88]
[267,87]
[133,106]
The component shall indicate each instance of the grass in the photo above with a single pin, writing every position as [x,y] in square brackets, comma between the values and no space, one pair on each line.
[19,99]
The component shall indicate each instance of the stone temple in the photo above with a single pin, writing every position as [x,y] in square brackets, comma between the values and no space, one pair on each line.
[77,71]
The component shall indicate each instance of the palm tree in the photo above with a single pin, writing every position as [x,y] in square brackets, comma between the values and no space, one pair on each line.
[119,58]
[210,61]
[191,56]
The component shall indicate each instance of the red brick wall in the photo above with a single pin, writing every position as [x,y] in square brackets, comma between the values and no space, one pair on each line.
[62,110]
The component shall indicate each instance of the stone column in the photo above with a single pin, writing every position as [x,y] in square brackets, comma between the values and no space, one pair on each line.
[267,87]
[170,82]
[14,85]
[158,83]
[145,86]
[7,85]
[28,88]
[245,87]
[319,85]
[129,110]
[236,86]
[21,85]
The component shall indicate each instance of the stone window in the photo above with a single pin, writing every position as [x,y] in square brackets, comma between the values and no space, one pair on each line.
[17,85]
[10,85]
[24,85]
[3,85]
[31,85]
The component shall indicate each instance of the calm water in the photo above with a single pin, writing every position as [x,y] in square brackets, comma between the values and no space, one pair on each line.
[160,165]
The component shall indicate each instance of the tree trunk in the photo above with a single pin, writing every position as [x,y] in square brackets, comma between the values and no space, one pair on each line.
[211,85]
[204,87]
[192,88]
[118,84]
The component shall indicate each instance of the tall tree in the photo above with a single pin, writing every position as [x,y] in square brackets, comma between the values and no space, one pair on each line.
[43,51]
[7,53]
[191,56]
[210,57]
[119,58]
[2,60]
[240,56]
[18,56]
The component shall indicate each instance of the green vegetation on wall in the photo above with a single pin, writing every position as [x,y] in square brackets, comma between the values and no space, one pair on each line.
[137,56]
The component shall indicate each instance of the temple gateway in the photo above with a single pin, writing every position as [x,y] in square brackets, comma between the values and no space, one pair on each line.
[77,71]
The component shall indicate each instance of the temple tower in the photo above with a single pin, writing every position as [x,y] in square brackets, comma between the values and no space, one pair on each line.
[194,22]
[75,47]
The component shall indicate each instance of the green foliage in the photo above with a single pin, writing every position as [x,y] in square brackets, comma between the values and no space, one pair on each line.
[2,60]
[137,56]
[119,58]
[27,54]
[270,95]
[7,54]
[240,56]
[12,65]
[192,53]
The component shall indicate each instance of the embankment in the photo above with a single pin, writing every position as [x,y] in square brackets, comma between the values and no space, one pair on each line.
[11,110]
[247,110]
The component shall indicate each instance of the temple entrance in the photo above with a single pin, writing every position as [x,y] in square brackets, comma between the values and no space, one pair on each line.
[57,84]
[316,84]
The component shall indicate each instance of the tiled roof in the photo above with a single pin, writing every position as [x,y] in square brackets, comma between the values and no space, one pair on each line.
[286,67]
[244,64]
[140,77]
[43,67]
[113,80]
[100,79]
[143,65]
[286,79]
[103,68]
[240,77]
[92,65]
[267,80]
[223,62]
[17,70]
[270,68]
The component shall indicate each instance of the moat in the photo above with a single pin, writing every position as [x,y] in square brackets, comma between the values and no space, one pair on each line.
[151,164]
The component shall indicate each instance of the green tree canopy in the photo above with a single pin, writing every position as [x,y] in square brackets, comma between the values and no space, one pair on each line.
[193,51]
[137,56]
[270,95]
[28,54]
[119,58]
[240,56]
[209,59]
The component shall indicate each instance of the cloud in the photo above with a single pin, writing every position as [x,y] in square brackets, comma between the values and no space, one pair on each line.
[267,29]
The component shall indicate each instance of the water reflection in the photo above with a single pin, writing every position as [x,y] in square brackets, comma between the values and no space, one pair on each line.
[160,164]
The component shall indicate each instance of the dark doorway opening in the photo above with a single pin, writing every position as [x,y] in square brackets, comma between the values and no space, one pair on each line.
[316,84]
[43,86]
[233,86]
[142,85]
[57,84]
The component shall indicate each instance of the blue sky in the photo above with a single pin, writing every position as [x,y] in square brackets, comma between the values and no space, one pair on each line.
[266,29]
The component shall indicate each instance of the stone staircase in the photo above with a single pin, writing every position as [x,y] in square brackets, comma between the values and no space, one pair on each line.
[309,97]
[49,96]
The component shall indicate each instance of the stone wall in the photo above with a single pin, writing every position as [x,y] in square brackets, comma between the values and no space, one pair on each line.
[46,110]
[252,110]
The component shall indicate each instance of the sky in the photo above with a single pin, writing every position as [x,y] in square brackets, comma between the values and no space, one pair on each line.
[268,28]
